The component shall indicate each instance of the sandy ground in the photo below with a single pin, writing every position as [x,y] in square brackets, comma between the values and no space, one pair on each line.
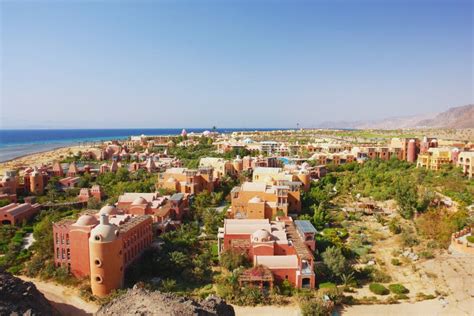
[65,300]
[291,310]
[40,158]
[449,275]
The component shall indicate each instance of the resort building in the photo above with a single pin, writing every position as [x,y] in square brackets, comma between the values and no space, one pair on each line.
[433,158]
[9,183]
[101,246]
[282,249]
[255,200]
[189,181]
[35,180]
[269,175]
[250,163]
[221,166]
[57,169]
[466,162]
[168,211]
[16,214]
[85,194]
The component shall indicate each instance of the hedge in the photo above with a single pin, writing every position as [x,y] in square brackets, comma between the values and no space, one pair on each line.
[398,289]
[378,289]
[470,239]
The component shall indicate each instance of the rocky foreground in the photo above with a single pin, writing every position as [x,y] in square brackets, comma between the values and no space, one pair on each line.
[139,301]
[18,297]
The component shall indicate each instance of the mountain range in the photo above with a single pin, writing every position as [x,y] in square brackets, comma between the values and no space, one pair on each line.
[455,117]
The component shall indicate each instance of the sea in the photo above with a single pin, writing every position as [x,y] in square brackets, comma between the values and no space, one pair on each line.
[16,143]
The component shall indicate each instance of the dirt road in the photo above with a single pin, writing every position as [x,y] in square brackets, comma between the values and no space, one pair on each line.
[65,300]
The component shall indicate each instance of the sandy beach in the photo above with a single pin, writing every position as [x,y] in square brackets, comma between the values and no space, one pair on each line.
[40,158]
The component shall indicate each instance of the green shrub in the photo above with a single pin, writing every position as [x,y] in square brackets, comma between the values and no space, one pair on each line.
[395,262]
[378,289]
[327,285]
[401,296]
[314,307]
[470,239]
[426,254]
[232,259]
[398,289]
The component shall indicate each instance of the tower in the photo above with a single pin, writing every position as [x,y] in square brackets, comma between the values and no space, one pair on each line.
[106,258]
[411,151]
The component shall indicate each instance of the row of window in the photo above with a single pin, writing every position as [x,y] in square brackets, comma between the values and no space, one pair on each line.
[61,238]
[63,253]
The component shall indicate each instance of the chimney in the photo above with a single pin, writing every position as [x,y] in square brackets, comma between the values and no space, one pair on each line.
[104,219]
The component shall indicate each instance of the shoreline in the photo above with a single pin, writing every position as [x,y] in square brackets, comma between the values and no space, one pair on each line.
[35,153]
[41,157]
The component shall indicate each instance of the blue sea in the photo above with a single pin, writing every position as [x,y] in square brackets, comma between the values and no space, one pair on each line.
[16,143]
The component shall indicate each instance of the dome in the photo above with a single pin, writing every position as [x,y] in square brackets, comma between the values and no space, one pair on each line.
[261,236]
[171,179]
[108,210]
[139,201]
[104,232]
[255,199]
[87,220]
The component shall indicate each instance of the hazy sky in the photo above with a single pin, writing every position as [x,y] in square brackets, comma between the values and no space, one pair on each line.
[231,63]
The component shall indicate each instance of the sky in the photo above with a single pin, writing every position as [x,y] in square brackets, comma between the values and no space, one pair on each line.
[163,64]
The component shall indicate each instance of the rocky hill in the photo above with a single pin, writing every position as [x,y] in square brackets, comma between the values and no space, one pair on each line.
[456,117]
[22,298]
[139,301]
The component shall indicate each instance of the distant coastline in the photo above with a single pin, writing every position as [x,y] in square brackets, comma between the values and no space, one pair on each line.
[17,143]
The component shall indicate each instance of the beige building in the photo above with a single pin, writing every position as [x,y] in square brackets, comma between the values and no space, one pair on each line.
[255,200]
[466,162]
[188,180]
[434,158]
[273,176]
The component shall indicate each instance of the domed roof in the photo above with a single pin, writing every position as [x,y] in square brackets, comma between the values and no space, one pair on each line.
[104,232]
[139,201]
[255,199]
[87,220]
[108,210]
[261,236]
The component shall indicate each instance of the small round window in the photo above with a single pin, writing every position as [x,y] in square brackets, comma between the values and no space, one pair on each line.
[98,279]
[97,262]
[97,237]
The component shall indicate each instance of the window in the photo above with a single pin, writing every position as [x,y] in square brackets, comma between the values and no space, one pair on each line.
[68,254]
[98,279]
[67,239]
[97,262]
[97,237]
[57,253]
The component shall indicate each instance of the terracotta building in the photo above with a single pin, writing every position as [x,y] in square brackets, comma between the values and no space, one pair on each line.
[16,214]
[262,201]
[85,194]
[101,246]
[35,180]
[282,246]
[167,210]
[188,180]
